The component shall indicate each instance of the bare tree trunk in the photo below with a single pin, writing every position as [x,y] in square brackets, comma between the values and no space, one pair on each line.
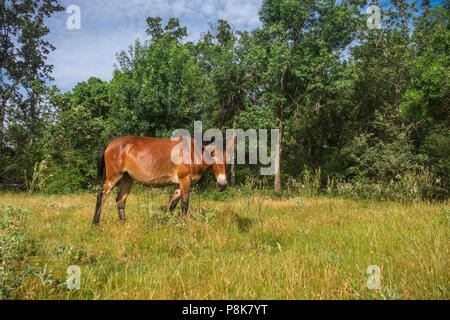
[233,172]
[278,157]
[33,122]
[2,120]
[309,147]
[5,97]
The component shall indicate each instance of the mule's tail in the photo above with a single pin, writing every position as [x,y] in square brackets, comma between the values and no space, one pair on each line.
[101,168]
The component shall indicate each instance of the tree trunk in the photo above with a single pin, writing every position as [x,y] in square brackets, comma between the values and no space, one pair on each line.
[33,122]
[233,172]
[278,157]
[309,147]
[2,120]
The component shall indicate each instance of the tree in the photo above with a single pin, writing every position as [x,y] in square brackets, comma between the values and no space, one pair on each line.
[79,133]
[29,122]
[94,94]
[221,59]
[23,51]
[427,98]
[298,51]
[379,136]
[158,85]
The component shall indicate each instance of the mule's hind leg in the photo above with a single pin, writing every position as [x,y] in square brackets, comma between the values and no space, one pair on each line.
[110,183]
[185,185]
[174,201]
[125,186]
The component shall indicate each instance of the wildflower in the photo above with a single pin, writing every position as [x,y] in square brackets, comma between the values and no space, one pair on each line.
[94,280]
[371,251]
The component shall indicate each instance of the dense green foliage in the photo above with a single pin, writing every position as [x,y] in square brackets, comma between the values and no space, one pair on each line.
[24,107]
[364,107]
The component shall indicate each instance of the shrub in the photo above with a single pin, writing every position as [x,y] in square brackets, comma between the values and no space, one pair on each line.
[411,186]
[308,185]
[17,251]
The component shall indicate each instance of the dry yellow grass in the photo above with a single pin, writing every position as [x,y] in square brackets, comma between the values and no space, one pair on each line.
[241,248]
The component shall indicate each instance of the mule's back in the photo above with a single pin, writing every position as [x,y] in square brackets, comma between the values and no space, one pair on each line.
[145,159]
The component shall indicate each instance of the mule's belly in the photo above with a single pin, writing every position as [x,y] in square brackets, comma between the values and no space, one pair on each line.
[159,182]
[151,166]
[195,178]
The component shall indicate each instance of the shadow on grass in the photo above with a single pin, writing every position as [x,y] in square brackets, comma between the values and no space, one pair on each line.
[244,224]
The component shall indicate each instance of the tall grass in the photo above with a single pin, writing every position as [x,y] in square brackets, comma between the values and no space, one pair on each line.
[419,185]
[244,243]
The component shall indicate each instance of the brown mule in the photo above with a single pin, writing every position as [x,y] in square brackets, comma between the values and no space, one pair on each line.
[149,162]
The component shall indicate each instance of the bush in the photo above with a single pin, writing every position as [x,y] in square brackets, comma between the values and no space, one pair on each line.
[308,185]
[384,153]
[65,179]
[15,251]
[411,186]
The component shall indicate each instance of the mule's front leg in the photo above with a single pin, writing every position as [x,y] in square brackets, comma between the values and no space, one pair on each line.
[185,185]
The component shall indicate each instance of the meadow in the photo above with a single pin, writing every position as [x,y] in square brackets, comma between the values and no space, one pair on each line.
[239,244]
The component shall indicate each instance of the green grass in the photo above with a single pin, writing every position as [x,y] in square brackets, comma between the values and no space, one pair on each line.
[243,247]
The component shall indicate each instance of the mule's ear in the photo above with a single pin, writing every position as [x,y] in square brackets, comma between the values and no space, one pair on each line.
[211,149]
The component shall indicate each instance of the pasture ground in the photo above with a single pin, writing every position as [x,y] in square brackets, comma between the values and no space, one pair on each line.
[247,246]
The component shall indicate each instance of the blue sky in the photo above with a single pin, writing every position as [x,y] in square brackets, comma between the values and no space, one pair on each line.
[109,26]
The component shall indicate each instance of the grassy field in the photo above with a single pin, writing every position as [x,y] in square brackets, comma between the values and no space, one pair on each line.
[243,247]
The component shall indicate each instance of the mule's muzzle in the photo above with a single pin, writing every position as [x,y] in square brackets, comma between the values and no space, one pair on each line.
[222,182]
[222,186]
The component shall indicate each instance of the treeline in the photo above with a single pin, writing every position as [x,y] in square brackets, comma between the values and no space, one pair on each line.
[359,109]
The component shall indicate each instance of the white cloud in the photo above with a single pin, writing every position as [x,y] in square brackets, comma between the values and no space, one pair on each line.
[179,8]
[108,27]
[208,9]
[241,13]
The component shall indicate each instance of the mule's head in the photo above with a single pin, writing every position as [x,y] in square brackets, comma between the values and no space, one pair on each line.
[220,157]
